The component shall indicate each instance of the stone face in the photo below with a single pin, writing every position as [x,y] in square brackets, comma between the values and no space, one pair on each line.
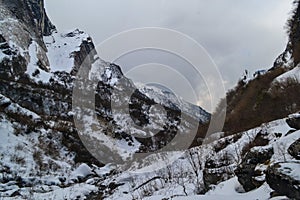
[32,13]
[213,176]
[13,68]
[52,100]
[294,122]
[294,149]
[284,178]
[86,54]
[246,170]
[23,22]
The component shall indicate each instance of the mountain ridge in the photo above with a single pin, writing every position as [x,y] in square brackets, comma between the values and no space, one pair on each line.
[43,154]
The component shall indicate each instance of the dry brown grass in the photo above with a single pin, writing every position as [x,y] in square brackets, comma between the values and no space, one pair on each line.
[259,101]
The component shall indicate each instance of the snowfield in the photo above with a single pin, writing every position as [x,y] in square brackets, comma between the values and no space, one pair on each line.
[179,180]
[61,47]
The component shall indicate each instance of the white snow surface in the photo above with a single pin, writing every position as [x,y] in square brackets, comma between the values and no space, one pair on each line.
[173,101]
[177,181]
[293,74]
[32,66]
[290,169]
[62,47]
[183,182]
[82,171]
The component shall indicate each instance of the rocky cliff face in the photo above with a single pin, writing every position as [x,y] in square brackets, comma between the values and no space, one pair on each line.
[40,60]
[272,91]
[19,28]
[43,155]
[38,68]
[32,14]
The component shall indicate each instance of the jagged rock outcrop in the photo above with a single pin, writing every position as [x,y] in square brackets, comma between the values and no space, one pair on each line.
[284,178]
[294,121]
[290,57]
[275,88]
[38,66]
[220,166]
[213,176]
[19,29]
[246,171]
[32,14]
[294,149]
[294,33]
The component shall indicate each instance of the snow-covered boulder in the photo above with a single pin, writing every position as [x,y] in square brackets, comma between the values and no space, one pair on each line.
[284,178]
[247,171]
[81,172]
[294,121]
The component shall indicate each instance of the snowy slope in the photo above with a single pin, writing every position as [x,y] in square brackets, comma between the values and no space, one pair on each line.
[181,180]
[184,178]
[293,74]
[174,101]
[61,48]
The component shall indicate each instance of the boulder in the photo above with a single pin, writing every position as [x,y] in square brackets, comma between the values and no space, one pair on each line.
[81,173]
[217,169]
[294,149]
[284,178]
[246,171]
[213,176]
[294,121]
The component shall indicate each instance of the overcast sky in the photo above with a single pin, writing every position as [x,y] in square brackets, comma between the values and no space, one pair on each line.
[238,34]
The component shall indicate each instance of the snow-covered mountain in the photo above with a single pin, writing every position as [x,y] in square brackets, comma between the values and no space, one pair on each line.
[45,133]
[41,150]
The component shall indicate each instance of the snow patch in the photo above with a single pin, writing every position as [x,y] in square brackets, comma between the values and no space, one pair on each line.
[33,67]
[81,172]
[61,48]
[293,74]
[290,169]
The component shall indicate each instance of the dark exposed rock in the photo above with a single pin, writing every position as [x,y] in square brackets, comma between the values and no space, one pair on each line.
[32,14]
[113,185]
[283,58]
[294,122]
[291,52]
[294,33]
[5,47]
[294,149]
[221,167]
[213,176]
[261,139]
[224,142]
[85,54]
[221,162]
[284,179]
[52,101]
[13,68]
[246,170]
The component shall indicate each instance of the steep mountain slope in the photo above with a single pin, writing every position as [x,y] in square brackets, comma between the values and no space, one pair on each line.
[255,164]
[267,96]
[257,159]
[42,150]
